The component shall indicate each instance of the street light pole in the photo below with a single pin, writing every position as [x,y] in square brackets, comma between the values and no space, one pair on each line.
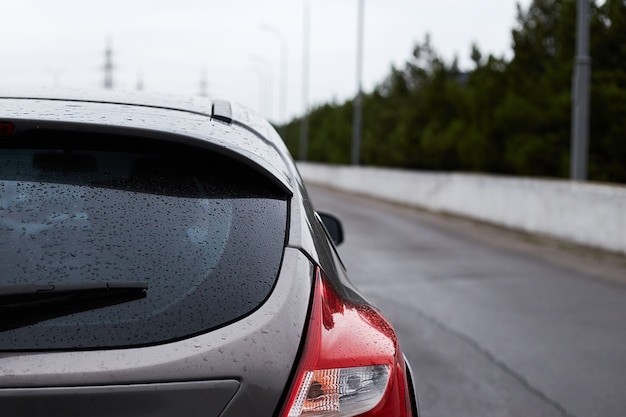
[304,122]
[268,83]
[580,96]
[261,90]
[358,101]
[283,71]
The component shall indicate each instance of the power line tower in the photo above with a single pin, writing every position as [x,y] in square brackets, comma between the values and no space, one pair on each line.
[358,100]
[108,66]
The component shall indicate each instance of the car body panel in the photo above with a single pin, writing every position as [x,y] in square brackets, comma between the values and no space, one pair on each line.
[244,350]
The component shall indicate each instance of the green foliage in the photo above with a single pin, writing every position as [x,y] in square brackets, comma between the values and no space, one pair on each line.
[511,117]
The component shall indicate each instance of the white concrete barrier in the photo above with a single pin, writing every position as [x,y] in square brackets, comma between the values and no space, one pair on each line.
[584,213]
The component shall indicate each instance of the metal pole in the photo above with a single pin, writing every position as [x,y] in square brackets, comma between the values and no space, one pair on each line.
[268,82]
[358,101]
[262,101]
[283,71]
[304,122]
[580,96]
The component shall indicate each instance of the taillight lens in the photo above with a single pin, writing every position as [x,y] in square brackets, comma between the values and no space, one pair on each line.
[340,391]
[351,365]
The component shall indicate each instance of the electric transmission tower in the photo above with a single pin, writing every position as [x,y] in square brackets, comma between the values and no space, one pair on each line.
[108,66]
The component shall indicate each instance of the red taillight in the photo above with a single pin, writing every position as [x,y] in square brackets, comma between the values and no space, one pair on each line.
[351,363]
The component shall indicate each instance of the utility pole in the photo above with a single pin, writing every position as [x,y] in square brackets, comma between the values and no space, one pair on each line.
[108,66]
[304,122]
[580,96]
[358,101]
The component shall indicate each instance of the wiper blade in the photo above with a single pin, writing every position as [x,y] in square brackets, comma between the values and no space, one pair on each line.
[23,305]
[15,297]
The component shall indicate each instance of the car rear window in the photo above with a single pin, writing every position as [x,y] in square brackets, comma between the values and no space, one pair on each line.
[199,234]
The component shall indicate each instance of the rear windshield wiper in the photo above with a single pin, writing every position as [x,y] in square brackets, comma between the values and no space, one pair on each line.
[27,304]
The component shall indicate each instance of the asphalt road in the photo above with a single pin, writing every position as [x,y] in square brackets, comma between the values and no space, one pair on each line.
[494,323]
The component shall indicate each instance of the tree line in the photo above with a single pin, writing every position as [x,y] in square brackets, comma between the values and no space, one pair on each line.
[503,116]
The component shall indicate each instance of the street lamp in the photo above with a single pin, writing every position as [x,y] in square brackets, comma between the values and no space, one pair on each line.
[262,96]
[304,123]
[267,71]
[358,101]
[283,66]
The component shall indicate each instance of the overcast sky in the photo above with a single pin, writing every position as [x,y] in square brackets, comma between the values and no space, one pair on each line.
[170,46]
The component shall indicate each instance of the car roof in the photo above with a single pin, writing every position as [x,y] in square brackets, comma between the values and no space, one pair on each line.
[198,121]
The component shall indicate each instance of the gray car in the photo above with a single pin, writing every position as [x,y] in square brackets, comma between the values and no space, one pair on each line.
[160,257]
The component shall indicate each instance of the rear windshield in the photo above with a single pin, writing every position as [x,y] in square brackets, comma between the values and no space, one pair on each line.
[193,239]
